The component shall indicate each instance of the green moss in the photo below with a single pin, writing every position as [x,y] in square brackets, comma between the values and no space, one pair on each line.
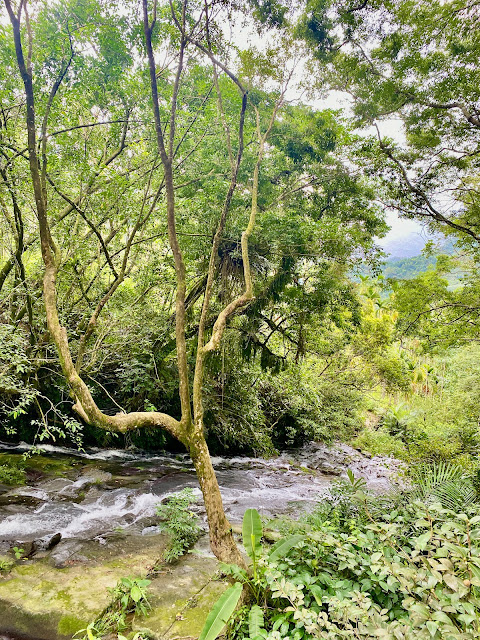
[28,569]
[39,463]
[12,471]
[64,597]
[69,625]
[181,618]
[46,586]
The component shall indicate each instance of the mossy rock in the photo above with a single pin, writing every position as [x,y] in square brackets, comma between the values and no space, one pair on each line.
[181,599]
[44,465]
[69,625]
[41,601]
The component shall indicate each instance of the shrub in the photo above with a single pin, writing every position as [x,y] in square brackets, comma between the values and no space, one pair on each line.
[407,572]
[380,442]
[129,598]
[299,407]
[180,523]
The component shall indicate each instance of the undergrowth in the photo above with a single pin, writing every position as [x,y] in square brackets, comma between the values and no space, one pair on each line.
[180,523]
[400,567]
[129,599]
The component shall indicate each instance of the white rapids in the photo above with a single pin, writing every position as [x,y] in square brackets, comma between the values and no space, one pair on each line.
[119,490]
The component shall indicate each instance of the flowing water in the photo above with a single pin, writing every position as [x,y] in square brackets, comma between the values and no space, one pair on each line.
[105,491]
[96,505]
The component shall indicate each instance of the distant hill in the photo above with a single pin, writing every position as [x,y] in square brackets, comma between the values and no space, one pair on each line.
[406,268]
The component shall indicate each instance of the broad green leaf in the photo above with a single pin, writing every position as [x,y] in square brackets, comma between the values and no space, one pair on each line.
[221,612]
[282,547]
[135,593]
[452,581]
[422,541]
[422,610]
[256,621]
[252,532]
[441,617]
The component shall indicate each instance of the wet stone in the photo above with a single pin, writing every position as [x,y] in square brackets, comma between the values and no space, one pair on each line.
[19,499]
[55,485]
[67,551]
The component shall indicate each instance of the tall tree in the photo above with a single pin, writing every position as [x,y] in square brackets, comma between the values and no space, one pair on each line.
[417,61]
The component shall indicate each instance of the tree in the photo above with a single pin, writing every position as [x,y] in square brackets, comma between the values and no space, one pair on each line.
[189,428]
[415,61]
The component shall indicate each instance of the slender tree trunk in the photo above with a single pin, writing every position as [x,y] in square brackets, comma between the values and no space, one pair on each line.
[221,538]
[222,542]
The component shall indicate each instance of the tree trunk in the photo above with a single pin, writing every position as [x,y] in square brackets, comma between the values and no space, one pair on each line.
[222,542]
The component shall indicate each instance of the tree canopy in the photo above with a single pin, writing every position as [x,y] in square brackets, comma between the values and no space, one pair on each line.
[181,226]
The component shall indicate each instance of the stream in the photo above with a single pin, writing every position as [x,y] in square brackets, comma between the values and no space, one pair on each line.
[92,509]
[91,496]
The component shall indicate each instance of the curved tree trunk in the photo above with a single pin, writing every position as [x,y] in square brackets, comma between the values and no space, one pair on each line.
[222,542]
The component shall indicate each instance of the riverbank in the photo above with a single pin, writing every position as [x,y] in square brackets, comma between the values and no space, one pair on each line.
[84,520]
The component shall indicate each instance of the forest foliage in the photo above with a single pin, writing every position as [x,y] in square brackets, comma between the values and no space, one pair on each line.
[314,349]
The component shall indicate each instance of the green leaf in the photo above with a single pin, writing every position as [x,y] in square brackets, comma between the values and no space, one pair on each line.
[90,635]
[135,593]
[282,547]
[317,593]
[252,532]
[256,621]
[221,612]
[432,627]
[422,541]
[452,581]
[441,617]
[422,610]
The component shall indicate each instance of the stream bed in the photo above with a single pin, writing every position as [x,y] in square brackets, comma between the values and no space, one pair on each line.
[92,495]
[85,519]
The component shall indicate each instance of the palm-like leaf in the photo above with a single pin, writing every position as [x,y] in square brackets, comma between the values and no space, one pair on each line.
[446,483]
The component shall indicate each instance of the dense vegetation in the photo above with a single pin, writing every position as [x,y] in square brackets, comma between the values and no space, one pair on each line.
[404,566]
[184,256]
